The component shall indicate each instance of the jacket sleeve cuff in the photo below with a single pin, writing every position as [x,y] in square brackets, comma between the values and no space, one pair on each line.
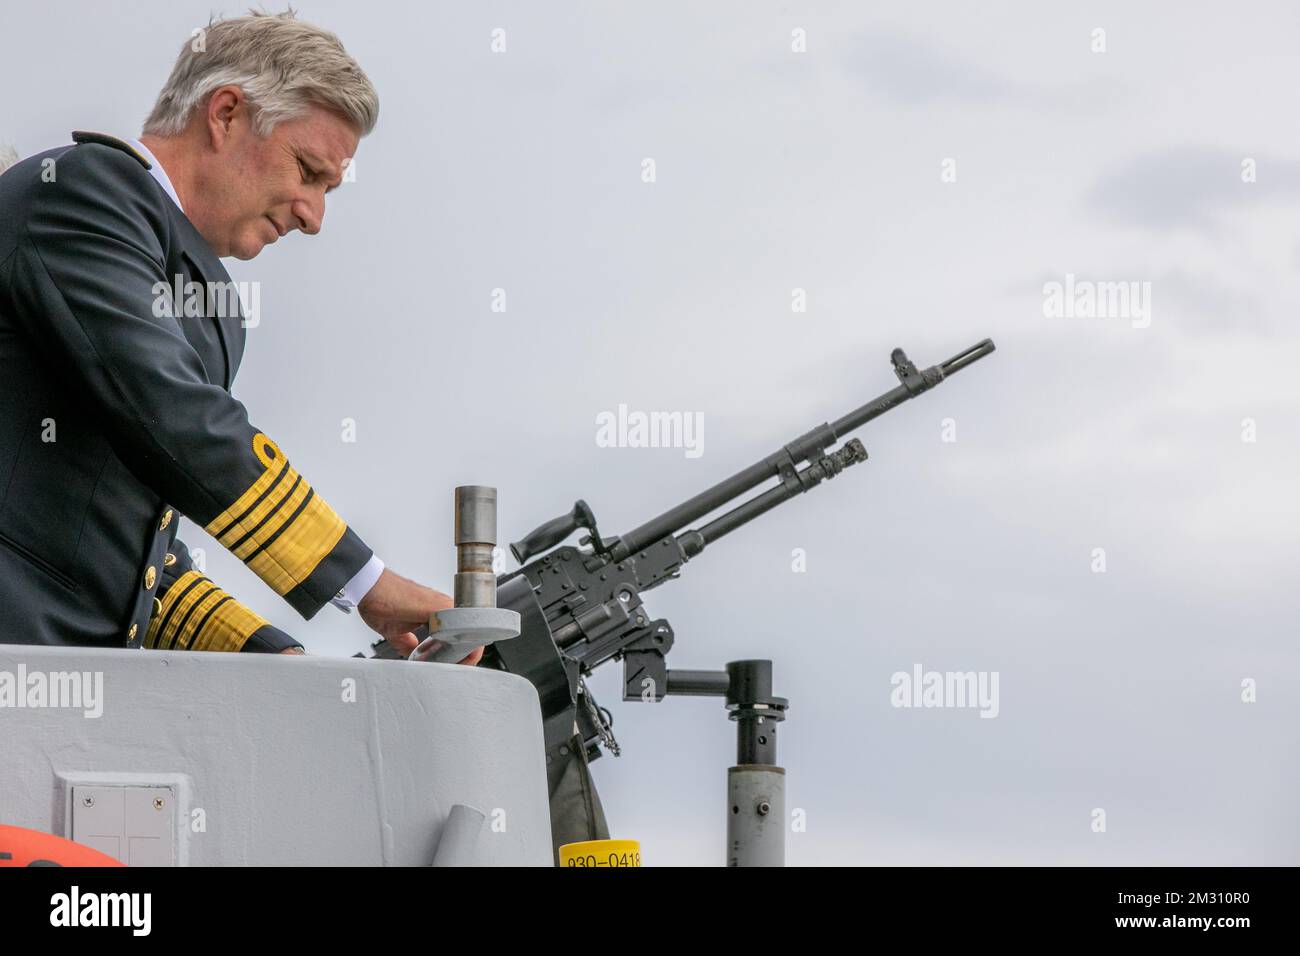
[286,533]
[269,639]
[348,556]
[194,614]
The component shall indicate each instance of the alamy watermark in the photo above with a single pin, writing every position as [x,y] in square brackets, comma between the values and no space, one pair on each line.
[1085,299]
[922,688]
[75,908]
[208,300]
[70,690]
[626,428]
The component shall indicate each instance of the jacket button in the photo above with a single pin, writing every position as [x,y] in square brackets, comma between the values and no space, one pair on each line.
[150,576]
[166,520]
[130,635]
[157,607]
[169,560]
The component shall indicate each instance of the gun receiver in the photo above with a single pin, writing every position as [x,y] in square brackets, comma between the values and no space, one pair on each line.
[582,606]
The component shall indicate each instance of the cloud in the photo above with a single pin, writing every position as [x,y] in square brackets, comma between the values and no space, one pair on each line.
[1207,306]
[913,72]
[1187,187]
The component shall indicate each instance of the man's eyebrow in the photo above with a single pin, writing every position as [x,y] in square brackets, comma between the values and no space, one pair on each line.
[320,167]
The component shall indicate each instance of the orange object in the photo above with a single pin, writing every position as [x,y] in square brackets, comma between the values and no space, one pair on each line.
[22,847]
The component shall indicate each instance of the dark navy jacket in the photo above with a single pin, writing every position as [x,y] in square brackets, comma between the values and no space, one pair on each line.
[116,418]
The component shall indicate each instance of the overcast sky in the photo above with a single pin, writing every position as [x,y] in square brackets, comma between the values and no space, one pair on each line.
[825,171]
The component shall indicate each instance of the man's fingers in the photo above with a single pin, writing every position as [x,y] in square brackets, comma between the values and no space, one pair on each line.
[474,657]
[403,643]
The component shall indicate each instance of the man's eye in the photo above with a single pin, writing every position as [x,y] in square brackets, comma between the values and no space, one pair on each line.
[307,174]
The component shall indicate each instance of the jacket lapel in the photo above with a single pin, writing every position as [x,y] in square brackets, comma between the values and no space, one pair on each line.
[229,319]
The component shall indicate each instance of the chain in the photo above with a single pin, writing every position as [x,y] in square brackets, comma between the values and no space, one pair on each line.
[601,717]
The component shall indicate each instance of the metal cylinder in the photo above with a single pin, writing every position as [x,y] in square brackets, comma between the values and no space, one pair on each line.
[473,589]
[475,584]
[749,682]
[476,515]
[458,841]
[755,816]
[698,683]
[756,738]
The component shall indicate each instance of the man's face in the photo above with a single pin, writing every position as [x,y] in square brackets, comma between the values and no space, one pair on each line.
[259,189]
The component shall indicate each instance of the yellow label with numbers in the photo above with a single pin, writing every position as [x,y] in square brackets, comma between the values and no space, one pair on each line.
[601,853]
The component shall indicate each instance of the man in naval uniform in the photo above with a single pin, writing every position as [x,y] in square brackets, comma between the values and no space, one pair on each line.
[120,335]
[115,409]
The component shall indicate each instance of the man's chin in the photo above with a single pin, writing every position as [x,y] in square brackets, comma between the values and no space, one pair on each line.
[247,249]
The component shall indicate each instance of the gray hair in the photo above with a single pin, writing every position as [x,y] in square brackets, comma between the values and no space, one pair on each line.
[283,65]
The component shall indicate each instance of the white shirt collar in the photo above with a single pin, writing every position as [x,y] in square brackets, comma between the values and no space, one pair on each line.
[157,172]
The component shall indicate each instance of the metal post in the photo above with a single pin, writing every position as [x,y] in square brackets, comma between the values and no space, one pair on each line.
[475,620]
[756,785]
[476,534]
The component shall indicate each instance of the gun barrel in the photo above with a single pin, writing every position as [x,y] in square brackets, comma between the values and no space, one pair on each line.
[693,542]
[895,397]
[688,511]
[815,442]
[972,354]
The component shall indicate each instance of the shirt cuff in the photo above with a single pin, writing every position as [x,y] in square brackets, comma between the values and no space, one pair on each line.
[351,593]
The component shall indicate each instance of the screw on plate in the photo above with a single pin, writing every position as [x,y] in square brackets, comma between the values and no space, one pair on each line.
[764,808]
[157,803]
[87,801]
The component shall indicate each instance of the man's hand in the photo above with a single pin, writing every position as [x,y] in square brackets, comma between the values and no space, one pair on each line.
[396,606]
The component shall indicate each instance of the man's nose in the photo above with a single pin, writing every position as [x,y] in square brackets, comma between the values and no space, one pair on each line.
[310,214]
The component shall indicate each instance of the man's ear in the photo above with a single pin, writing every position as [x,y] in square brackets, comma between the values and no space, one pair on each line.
[227,108]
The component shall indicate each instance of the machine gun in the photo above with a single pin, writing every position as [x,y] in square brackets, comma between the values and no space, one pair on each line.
[582,606]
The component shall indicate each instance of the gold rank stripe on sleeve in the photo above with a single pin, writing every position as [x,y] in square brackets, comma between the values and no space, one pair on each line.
[279,527]
[196,615]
